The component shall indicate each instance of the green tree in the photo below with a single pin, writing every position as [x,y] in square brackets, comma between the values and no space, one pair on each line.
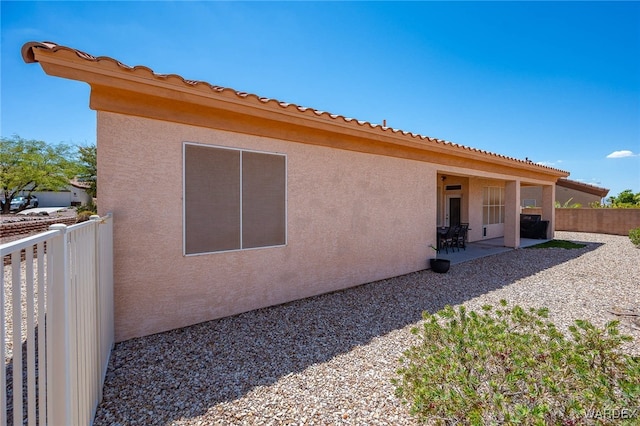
[625,199]
[568,204]
[32,165]
[89,167]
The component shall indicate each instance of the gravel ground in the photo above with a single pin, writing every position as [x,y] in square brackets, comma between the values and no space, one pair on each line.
[8,305]
[7,274]
[12,217]
[328,360]
[8,219]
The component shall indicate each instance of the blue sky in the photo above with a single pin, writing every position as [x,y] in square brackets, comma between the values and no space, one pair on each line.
[555,82]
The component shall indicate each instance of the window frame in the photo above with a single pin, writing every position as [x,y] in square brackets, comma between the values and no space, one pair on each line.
[240,151]
[490,208]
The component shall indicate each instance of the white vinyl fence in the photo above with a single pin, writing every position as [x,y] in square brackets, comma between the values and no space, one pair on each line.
[57,328]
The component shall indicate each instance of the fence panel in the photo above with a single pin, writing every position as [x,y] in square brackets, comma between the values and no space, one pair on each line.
[60,281]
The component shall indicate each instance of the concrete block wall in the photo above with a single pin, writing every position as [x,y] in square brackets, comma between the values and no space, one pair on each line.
[600,221]
[10,231]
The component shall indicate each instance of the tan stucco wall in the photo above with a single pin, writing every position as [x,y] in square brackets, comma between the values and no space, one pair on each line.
[563,195]
[353,218]
[476,228]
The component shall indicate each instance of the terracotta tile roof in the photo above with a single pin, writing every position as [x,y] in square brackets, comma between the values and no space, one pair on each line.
[584,187]
[79,184]
[174,79]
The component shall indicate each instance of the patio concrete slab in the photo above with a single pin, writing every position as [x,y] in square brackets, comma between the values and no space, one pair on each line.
[483,248]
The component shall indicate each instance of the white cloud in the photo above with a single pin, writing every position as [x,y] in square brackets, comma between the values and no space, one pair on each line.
[622,154]
[549,163]
[592,181]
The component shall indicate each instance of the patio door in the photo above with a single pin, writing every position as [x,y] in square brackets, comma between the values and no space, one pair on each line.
[452,214]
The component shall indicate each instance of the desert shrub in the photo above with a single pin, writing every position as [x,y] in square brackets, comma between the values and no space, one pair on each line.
[84,216]
[634,235]
[512,366]
[90,207]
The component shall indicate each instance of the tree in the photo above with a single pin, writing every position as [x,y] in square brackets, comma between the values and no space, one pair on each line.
[31,165]
[568,205]
[89,167]
[625,199]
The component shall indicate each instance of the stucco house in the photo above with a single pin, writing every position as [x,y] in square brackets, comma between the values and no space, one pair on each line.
[277,202]
[567,192]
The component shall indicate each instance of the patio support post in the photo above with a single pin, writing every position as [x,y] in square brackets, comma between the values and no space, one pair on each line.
[512,214]
[549,208]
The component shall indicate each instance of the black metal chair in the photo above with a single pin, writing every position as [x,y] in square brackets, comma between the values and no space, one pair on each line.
[447,240]
[460,237]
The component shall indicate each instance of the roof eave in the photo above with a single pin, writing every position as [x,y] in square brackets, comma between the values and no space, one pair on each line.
[104,72]
[584,187]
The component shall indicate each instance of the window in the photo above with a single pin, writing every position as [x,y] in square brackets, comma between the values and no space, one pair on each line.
[528,202]
[233,199]
[492,205]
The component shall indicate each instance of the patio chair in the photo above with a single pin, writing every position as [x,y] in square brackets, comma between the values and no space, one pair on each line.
[447,240]
[460,238]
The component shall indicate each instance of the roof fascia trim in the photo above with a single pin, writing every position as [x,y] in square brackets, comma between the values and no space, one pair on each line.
[583,187]
[108,73]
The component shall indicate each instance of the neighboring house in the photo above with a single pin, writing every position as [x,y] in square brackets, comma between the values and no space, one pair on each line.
[269,201]
[74,194]
[567,192]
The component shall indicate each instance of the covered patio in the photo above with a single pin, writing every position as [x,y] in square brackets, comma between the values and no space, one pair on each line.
[489,202]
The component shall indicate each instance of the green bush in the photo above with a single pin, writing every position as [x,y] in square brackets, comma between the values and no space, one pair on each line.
[634,234]
[512,366]
[90,207]
[84,216]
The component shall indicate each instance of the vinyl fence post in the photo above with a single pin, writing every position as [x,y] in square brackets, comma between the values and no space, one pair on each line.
[99,304]
[58,331]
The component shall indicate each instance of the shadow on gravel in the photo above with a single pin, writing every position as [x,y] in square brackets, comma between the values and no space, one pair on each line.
[184,372]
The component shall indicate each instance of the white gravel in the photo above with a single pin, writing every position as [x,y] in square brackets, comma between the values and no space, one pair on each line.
[329,359]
